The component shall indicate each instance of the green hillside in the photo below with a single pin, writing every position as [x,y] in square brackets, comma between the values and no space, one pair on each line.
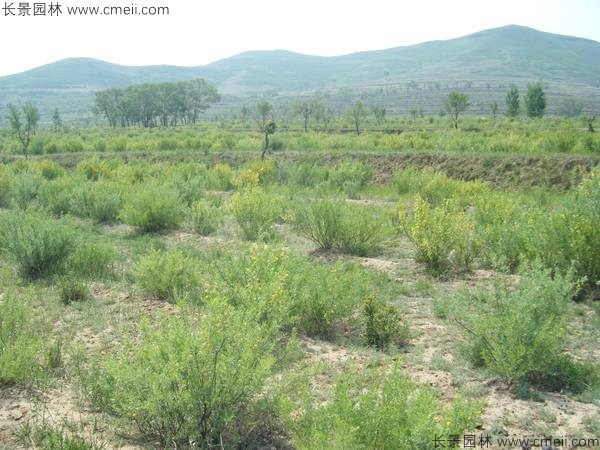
[486,61]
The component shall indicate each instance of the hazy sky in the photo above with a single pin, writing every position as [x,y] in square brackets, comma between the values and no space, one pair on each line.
[201,31]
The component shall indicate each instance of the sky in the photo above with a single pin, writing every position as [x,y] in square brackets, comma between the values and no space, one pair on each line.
[197,32]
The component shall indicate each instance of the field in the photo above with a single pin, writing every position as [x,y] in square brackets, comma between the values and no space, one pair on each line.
[165,288]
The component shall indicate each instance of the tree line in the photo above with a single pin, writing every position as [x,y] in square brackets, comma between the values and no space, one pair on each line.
[156,104]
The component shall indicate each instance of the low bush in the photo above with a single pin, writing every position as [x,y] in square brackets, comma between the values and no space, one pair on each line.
[206,218]
[518,330]
[351,229]
[167,275]
[443,236]
[382,410]
[153,209]
[383,325]
[24,189]
[193,379]
[93,260]
[55,196]
[255,211]
[21,341]
[99,201]
[72,289]
[37,245]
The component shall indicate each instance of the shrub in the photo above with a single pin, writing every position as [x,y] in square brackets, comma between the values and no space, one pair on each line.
[100,201]
[382,410]
[206,218]
[167,275]
[55,196]
[40,247]
[336,224]
[351,172]
[72,289]
[518,331]
[153,209]
[24,189]
[91,260]
[192,379]
[443,236]
[21,341]
[255,211]
[50,170]
[383,324]
[6,178]
[290,290]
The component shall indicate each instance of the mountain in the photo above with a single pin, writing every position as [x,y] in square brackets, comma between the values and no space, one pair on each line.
[491,58]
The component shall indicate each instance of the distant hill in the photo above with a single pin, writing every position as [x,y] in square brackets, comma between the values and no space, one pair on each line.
[489,59]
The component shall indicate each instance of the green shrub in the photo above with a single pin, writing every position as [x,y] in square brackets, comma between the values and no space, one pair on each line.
[382,411]
[55,196]
[192,379]
[518,331]
[383,325]
[351,172]
[255,211]
[100,201]
[443,236]
[153,209]
[6,178]
[21,341]
[351,229]
[290,290]
[91,260]
[72,289]
[206,218]
[167,275]
[24,189]
[38,246]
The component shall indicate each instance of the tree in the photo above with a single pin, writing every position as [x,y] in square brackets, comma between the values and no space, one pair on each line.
[589,121]
[56,121]
[357,113]
[455,104]
[324,116]
[494,109]
[266,124]
[379,113]
[570,107]
[513,102]
[535,100]
[23,122]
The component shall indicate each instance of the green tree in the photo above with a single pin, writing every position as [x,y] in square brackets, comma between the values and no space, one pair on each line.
[357,114]
[379,112]
[535,100]
[23,123]
[306,109]
[455,104]
[265,123]
[494,109]
[57,121]
[513,102]
[589,121]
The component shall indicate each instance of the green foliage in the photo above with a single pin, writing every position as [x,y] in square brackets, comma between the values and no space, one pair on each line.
[24,189]
[152,209]
[290,290]
[518,330]
[383,324]
[535,100]
[206,218]
[72,289]
[100,201]
[194,379]
[55,196]
[513,103]
[93,260]
[256,210]
[167,275]
[455,104]
[348,228]
[382,410]
[38,246]
[443,236]
[21,341]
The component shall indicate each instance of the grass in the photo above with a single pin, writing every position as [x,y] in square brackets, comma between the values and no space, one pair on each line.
[214,320]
